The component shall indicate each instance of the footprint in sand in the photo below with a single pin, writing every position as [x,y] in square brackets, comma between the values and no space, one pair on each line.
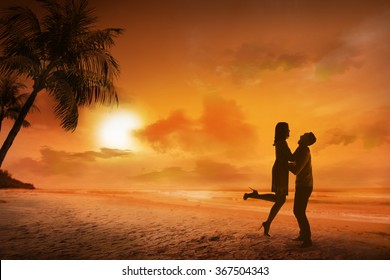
[214,238]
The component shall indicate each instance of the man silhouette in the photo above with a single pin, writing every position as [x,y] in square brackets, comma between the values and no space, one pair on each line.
[303,186]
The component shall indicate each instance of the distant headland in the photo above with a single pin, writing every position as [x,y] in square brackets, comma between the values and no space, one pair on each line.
[7,182]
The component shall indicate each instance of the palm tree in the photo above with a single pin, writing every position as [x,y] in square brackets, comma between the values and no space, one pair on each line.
[63,56]
[11,101]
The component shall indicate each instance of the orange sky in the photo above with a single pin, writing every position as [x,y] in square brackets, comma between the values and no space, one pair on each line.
[210,79]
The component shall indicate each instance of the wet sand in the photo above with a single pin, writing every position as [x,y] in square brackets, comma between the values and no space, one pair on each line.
[145,225]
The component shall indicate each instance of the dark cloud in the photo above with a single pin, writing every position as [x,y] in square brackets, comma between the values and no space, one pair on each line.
[337,52]
[338,61]
[338,136]
[357,46]
[373,130]
[266,57]
[246,64]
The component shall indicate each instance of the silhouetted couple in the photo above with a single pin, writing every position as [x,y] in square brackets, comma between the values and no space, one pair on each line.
[299,163]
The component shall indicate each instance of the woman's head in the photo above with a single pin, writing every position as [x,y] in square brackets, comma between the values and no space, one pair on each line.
[282,132]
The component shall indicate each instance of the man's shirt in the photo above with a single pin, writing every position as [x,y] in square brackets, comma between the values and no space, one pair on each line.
[302,168]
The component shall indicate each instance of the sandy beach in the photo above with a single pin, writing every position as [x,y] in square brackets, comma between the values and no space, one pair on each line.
[43,224]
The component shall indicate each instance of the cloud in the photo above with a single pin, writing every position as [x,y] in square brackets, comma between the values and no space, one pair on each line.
[357,47]
[170,175]
[349,174]
[338,136]
[105,153]
[371,127]
[221,127]
[354,48]
[224,121]
[205,173]
[375,129]
[165,134]
[246,64]
[338,62]
[266,57]
[54,162]
[213,171]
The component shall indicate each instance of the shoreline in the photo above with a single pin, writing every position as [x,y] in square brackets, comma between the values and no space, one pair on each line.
[47,225]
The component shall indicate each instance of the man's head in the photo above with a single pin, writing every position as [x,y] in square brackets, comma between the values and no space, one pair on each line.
[307,139]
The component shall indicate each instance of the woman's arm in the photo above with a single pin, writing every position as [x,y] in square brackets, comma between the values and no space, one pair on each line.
[287,152]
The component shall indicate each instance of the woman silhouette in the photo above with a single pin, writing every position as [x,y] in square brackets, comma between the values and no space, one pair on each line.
[279,175]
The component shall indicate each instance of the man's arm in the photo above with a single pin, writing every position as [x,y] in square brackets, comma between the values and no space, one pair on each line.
[301,156]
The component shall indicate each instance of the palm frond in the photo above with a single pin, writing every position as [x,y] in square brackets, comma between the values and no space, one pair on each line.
[66,106]
[63,53]
[20,33]
[100,62]
[92,53]
[87,86]
[64,23]
[26,124]
[22,98]
[13,113]
[11,102]
[17,65]
[101,39]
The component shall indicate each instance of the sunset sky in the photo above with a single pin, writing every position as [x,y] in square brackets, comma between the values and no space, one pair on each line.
[202,86]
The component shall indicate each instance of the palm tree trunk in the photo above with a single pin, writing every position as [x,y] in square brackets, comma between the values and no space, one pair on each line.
[1,118]
[17,125]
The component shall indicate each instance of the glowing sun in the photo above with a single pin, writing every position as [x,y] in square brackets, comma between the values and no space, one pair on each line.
[116,131]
